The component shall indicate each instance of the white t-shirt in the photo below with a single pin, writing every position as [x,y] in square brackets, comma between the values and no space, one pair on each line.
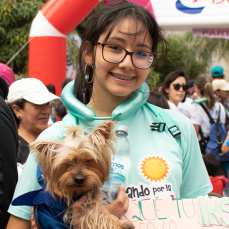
[172,106]
[185,108]
[182,108]
[199,117]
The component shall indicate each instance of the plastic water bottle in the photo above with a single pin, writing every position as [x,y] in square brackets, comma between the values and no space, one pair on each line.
[120,164]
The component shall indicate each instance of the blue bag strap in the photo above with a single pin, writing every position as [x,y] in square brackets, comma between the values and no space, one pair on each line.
[163,121]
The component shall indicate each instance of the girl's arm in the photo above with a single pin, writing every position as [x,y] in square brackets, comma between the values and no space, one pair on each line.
[197,129]
[225,146]
[18,223]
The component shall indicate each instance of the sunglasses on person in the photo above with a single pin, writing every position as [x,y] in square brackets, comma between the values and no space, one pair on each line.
[178,86]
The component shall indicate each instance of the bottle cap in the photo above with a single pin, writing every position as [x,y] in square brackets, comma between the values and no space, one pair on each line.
[122,128]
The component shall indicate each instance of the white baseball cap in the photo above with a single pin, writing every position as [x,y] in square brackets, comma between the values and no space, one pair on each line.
[221,85]
[32,90]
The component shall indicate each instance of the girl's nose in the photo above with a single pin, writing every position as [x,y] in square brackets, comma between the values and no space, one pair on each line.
[127,63]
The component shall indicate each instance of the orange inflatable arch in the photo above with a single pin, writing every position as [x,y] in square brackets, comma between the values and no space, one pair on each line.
[47,46]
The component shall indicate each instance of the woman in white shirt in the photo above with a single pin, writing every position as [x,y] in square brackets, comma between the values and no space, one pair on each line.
[174,89]
[199,117]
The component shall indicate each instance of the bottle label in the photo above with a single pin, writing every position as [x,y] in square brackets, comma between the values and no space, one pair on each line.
[117,177]
[118,171]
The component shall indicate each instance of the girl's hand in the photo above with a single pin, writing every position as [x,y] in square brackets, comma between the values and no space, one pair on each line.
[76,207]
[120,206]
[117,208]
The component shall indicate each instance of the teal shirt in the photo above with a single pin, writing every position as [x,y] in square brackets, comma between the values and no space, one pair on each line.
[161,166]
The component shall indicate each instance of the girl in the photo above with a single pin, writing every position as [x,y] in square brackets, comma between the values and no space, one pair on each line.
[174,89]
[199,117]
[116,54]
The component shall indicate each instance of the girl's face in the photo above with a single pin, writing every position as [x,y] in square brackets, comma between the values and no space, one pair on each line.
[176,96]
[120,79]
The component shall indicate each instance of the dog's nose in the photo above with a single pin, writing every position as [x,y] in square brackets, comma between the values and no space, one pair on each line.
[79,179]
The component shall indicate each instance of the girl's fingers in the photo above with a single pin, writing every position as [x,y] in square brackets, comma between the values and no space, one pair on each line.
[120,205]
[78,204]
[121,211]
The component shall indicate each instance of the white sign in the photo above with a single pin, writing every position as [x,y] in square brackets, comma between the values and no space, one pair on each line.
[200,213]
[178,15]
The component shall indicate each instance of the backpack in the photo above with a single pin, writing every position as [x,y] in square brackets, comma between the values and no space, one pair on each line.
[217,136]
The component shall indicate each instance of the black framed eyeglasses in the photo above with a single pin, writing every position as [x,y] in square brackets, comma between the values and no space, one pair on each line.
[178,86]
[115,54]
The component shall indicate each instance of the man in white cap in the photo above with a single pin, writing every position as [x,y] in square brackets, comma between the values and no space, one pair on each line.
[221,89]
[29,101]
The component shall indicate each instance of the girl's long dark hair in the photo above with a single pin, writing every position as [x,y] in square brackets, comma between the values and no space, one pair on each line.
[98,23]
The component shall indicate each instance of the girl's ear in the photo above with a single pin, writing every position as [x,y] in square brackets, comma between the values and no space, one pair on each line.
[167,90]
[88,53]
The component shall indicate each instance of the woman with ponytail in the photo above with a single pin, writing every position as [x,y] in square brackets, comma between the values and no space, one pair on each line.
[199,117]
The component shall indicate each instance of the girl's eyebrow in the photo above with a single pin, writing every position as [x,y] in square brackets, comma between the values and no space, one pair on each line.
[124,41]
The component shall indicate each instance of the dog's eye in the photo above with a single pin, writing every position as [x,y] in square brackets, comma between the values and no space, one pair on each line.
[89,161]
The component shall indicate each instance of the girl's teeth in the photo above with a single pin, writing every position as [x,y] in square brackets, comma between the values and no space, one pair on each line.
[119,77]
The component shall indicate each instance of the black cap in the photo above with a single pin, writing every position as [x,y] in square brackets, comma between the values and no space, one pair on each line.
[191,83]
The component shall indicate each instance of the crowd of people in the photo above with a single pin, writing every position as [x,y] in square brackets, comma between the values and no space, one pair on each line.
[182,95]
[115,58]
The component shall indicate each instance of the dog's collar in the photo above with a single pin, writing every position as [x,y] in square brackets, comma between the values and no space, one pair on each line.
[121,112]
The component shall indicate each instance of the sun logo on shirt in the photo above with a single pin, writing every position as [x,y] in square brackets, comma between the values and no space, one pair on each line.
[154,168]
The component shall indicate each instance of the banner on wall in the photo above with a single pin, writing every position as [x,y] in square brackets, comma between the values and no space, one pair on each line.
[186,15]
[200,213]
[212,33]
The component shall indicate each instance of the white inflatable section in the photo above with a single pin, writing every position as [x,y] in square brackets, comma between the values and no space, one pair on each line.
[41,27]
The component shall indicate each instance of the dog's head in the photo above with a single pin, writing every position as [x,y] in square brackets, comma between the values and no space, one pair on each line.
[77,163]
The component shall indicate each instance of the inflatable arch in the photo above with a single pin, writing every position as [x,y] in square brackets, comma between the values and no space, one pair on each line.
[47,46]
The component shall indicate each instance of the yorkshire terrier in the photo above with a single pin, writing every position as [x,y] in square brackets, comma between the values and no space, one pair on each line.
[80,164]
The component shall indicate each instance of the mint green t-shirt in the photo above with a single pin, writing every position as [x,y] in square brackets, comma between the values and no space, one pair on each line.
[160,166]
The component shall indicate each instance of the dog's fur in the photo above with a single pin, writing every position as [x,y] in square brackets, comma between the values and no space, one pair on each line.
[80,164]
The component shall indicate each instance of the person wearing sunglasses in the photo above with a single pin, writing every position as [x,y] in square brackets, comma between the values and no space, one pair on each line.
[174,89]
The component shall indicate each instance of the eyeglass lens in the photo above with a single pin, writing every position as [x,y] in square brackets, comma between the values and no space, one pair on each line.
[115,54]
[178,86]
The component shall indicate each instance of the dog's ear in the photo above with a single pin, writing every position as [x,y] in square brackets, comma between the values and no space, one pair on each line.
[104,136]
[104,131]
[43,149]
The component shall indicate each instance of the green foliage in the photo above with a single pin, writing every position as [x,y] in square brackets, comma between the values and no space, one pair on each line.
[206,47]
[179,57]
[16,17]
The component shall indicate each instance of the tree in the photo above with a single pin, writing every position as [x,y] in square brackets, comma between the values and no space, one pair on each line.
[179,57]
[16,17]
[206,47]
